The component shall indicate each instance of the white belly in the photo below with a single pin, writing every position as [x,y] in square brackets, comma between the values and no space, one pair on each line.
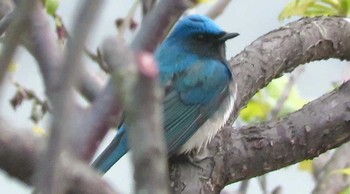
[207,131]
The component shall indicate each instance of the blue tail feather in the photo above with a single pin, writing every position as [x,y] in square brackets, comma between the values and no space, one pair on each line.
[115,150]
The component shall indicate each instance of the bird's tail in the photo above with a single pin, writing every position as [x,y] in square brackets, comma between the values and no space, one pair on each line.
[115,150]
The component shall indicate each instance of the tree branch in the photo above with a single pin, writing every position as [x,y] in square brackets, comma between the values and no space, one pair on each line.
[279,51]
[19,151]
[147,5]
[13,37]
[90,85]
[64,111]
[137,83]
[6,21]
[330,182]
[158,23]
[218,8]
[236,153]
[282,50]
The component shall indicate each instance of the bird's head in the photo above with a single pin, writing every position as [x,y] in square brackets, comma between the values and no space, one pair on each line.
[201,35]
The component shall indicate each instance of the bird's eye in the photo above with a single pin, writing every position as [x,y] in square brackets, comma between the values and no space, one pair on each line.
[200,37]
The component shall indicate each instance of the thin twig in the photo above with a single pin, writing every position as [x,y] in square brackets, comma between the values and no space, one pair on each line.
[287,89]
[218,8]
[147,6]
[262,183]
[330,182]
[243,187]
[13,36]
[39,107]
[318,165]
[277,190]
[127,20]
[98,58]
[6,21]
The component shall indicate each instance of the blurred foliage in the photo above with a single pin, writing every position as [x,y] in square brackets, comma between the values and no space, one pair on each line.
[39,130]
[346,191]
[39,107]
[260,106]
[307,166]
[13,67]
[345,171]
[311,8]
[206,1]
[51,6]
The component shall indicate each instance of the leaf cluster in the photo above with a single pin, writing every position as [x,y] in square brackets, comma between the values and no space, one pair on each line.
[312,8]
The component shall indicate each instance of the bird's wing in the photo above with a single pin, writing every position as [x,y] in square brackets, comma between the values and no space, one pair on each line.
[193,97]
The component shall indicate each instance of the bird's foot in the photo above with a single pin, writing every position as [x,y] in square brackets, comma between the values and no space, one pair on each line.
[201,161]
[196,157]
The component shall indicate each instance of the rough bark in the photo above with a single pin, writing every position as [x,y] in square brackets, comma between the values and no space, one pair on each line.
[252,151]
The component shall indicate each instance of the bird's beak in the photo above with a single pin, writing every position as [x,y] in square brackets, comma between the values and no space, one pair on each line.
[227,36]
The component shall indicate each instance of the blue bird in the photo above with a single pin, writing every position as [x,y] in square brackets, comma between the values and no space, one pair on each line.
[195,76]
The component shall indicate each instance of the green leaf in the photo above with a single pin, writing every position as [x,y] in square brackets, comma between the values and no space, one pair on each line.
[306,165]
[345,7]
[345,171]
[333,3]
[51,6]
[295,8]
[346,191]
[294,101]
[320,9]
[260,106]
[255,111]
[311,8]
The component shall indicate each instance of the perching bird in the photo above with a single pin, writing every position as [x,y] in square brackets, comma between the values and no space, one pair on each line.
[196,77]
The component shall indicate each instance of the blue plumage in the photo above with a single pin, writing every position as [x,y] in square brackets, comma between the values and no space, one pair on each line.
[195,76]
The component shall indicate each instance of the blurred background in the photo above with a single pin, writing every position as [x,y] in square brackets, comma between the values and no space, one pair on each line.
[250,18]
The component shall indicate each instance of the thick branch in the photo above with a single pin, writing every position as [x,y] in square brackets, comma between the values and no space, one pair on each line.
[19,151]
[279,51]
[251,151]
[282,50]
[64,111]
[90,85]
